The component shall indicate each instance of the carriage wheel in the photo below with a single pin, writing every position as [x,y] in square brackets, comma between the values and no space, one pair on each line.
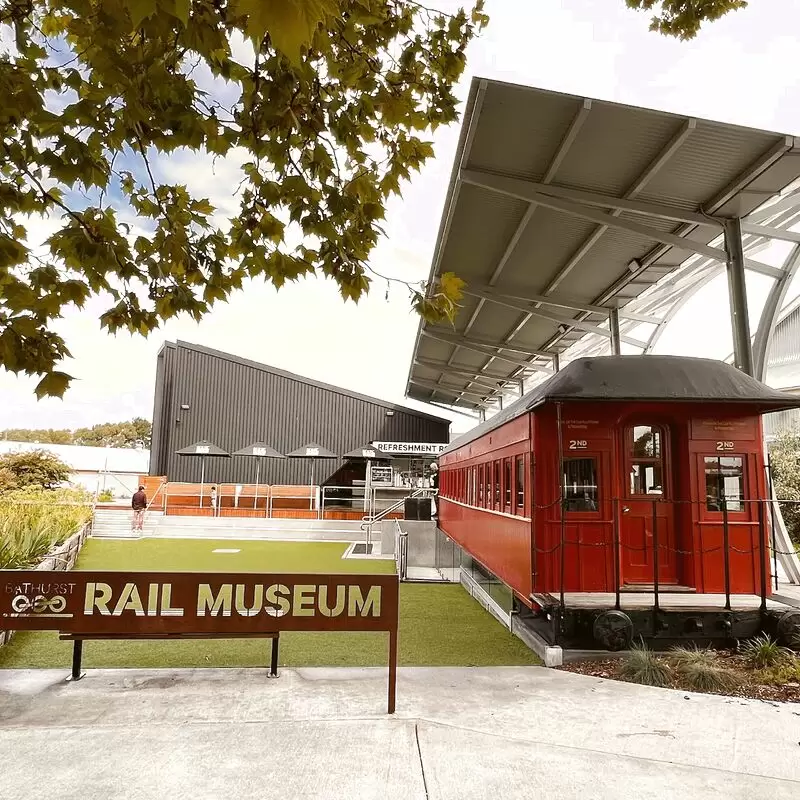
[613,629]
[789,629]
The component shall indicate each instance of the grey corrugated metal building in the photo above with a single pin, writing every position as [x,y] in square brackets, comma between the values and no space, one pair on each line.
[202,393]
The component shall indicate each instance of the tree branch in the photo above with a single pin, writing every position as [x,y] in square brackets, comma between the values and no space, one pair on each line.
[73,214]
[146,160]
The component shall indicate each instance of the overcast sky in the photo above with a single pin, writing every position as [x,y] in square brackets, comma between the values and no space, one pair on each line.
[742,69]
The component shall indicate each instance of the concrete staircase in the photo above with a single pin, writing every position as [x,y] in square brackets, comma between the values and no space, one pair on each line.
[114,523]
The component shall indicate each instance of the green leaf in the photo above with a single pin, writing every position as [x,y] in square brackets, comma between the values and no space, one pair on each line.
[55,25]
[289,23]
[53,384]
[451,286]
[140,10]
[202,207]
[180,9]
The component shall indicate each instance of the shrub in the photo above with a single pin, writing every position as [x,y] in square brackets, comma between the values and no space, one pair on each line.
[681,657]
[784,457]
[106,496]
[762,651]
[8,480]
[700,670]
[786,672]
[37,468]
[643,666]
[707,677]
[32,522]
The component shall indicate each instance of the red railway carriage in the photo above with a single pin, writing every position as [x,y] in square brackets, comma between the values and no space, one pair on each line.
[623,477]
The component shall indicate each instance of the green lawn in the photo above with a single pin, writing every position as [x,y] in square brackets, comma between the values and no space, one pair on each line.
[440,625]
[197,555]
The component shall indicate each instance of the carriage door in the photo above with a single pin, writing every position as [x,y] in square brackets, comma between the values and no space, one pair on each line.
[646,478]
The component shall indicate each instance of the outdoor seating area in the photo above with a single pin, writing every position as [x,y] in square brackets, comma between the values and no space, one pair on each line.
[264,501]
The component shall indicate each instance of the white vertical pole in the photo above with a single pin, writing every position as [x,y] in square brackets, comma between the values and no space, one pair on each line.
[202,477]
[367,484]
[258,475]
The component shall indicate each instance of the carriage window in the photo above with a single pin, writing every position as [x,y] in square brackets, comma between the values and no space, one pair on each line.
[520,473]
[580,484]
[646,479]
[724,482]
[646,442]
[507,482]
[645,458]
[480,485]
[496,479]
[488,497]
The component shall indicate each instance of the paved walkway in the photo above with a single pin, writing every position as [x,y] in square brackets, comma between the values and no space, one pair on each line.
[321,733]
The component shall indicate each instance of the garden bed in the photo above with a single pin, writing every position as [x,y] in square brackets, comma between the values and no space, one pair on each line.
[766,673]
[43,530]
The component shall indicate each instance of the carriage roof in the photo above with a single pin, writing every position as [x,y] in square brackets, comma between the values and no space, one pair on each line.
[641,378]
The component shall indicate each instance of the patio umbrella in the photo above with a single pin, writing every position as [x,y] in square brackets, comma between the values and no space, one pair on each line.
[368,452]
[313,451]
[258,450]
[203,450]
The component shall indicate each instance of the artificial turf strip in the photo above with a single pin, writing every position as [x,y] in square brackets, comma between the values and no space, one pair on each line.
[440,624]
[197,555]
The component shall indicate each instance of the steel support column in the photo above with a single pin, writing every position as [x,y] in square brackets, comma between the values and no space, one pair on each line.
[737,292]
[613,324]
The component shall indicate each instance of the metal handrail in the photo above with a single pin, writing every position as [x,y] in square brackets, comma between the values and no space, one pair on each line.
[155,494]
[368,521]
[358,494]
[311,497]
[371,519]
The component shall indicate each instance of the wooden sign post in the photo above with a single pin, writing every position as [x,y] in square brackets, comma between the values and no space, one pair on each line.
[174,604]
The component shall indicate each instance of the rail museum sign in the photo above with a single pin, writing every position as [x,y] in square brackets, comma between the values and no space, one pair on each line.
[166,604]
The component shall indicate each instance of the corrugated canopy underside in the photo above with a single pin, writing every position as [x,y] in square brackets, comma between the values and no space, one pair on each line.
[560,208]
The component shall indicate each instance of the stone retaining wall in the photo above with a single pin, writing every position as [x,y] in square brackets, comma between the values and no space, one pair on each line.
[62,559]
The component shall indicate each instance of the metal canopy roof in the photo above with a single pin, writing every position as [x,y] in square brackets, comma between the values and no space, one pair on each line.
[562,208]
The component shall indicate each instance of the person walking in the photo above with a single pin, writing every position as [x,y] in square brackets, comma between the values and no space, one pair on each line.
[213,501]
[139,506]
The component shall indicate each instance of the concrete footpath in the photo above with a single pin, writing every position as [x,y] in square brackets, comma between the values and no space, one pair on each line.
[516,732]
